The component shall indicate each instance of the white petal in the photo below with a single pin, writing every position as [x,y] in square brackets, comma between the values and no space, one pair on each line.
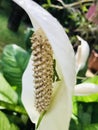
[62,48]
[28,93]
[85,89]
[82,54]
[58,115]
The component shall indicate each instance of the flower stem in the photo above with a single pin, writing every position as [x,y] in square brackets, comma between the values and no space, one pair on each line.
[40,118]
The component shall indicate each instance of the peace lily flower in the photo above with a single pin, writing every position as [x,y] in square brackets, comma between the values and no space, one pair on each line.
[82,54]
[48,104]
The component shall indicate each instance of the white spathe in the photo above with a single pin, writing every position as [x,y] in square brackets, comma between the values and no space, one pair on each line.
[85,89]
[59,113]
[28,92]
[82,54]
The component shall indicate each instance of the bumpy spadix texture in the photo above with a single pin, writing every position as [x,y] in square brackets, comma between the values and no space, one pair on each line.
[43,70]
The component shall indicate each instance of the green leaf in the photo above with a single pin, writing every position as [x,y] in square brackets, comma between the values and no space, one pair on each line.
[13,127]
[13,107]
[4,122]
[27,39]
[84,113]
[7,94]
[92,80]
[91,127]
[90,98]
[14,60]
